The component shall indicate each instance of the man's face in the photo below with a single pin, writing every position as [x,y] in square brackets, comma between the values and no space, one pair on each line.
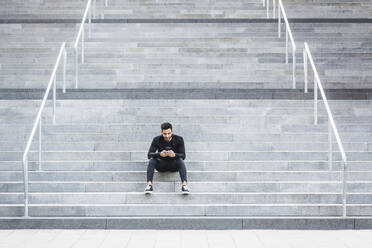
[167,134]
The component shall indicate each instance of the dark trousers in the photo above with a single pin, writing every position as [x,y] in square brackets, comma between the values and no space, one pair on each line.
[166,165]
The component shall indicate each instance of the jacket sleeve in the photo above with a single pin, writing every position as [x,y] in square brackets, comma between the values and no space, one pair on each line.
[152,151]
[181,149]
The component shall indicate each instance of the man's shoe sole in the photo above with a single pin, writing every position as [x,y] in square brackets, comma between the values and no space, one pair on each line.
[148,192]
[185,192]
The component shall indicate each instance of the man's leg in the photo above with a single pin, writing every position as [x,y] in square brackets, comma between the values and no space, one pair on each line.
[150,170]
[180,165]
[173,166]
[176,165]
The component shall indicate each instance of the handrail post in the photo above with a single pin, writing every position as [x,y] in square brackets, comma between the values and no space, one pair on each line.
[286,45]
[305,71]
[264,3]
[294,66]
[330,152]
[25,180]
[344,189]
[315,101]
[273,8]
[106,3]
[54,99]
[76,66]
[279,20]
[82,46]
[267,9]
[64,69]
[40,144]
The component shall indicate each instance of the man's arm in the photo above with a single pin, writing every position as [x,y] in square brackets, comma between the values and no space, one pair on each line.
[181,150]
[152,151]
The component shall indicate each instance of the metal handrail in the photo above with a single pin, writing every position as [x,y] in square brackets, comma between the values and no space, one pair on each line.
[38,121]
[80,36]
[288,32]
[331,123]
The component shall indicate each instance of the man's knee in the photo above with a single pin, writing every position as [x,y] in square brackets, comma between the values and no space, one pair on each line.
[180,163]
[153,162]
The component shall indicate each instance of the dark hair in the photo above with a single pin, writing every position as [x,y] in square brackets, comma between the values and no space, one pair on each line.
[166,125]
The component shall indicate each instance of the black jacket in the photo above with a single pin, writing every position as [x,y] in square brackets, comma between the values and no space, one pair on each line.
[158,144]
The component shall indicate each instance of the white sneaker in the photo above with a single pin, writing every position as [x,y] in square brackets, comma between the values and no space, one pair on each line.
[148,189]
[185,190]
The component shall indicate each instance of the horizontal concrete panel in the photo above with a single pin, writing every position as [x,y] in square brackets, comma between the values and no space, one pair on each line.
[177,198]
[274,210]
[192,176]
[197,187]
[179,210]
[197,223]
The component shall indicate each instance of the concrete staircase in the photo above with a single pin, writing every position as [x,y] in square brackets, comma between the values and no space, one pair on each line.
[46,9]
[339,9]
[244,158]
[42,9]
[184,9]
[342,52]
[185,55]
[236,9]
[180,9]
[152,55]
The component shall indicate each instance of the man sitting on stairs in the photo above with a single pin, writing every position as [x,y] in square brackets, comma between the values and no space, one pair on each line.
[166,153]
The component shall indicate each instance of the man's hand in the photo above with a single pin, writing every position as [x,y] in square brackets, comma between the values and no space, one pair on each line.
[164,153]
[171,153]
